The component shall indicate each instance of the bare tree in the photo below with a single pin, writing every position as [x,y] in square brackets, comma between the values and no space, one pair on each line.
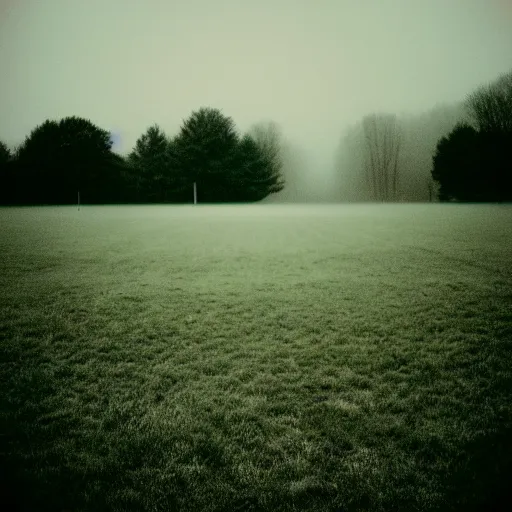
[382,136]
[490,106]
[411,170]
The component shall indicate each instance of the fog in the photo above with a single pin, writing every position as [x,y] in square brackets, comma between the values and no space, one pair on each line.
[313,67]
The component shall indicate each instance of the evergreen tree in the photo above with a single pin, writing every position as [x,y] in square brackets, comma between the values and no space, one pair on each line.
[208,151]
[476,164]
[255,177]
[456,166]
[58,159]
[205,151]
[151,162]
[268,139]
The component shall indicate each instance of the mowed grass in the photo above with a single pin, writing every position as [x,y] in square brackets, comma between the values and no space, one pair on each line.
[256,358]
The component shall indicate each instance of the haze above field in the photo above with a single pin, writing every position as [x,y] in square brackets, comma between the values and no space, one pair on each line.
[313,67]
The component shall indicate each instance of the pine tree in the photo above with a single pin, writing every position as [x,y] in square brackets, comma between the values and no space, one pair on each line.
[152,165]
[205,151]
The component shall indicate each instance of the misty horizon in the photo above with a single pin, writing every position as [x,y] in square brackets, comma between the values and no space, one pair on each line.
[315,70]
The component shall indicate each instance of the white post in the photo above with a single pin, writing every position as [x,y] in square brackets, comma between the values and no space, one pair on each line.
[79,200]
[195,193]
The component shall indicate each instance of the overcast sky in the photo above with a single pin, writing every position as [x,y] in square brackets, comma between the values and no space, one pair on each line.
[313,66]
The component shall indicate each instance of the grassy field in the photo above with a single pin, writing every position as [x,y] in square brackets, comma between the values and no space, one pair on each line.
[256,358]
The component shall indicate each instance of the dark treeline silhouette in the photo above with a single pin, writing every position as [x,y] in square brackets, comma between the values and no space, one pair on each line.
[474,161]
[58,160]
[461,152]
[62,162]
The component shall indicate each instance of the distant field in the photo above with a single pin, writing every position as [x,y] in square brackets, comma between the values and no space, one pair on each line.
[256,358]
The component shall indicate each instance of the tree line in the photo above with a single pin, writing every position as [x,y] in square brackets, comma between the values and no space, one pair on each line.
[62,162]
[473,162]
[461,152]
[453,153]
